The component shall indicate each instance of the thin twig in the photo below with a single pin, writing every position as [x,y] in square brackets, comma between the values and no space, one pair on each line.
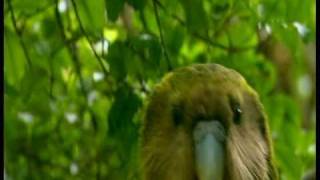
[19,33]
[161,35]
[51,80]
[88,39]
[71,48]
[143,21]
[175,17]
[39,11]
[143,58]
[74,56]
[67,42]
[200,37]
[103,44]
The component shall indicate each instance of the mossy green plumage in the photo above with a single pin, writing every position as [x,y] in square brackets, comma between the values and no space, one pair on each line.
[204,92]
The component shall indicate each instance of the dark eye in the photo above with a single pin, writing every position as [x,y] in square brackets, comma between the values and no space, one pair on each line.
[237,114]
[236,109]
[177,114]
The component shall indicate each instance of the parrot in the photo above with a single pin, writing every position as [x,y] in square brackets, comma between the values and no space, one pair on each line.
[205,122]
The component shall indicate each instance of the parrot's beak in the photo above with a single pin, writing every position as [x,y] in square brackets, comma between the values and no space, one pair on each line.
[209,137]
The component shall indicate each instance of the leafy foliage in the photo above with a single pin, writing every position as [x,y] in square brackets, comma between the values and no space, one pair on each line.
[77,74]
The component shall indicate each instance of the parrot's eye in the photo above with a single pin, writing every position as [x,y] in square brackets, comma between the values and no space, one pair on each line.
[237,114]
[177,114]
[236,109]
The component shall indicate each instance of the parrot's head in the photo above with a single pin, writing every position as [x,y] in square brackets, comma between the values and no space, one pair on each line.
[204,122]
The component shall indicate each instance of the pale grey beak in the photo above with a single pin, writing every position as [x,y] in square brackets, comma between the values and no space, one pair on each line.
[209,139]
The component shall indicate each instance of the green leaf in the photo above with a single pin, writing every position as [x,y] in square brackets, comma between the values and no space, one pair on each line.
[36,95]
[92,14]
[137,4]
[149,47]
[29,6]
[242,34]
[114,7]
[10,90]
[51,36]
[175,40]
[117,56]
[14,59]
[122,111]
[196,17]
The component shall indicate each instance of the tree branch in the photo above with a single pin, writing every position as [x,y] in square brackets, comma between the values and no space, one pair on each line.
[200,37]
[88,39]
[39,10]
[140,79]
[161,35]
[19,33]
[72,50]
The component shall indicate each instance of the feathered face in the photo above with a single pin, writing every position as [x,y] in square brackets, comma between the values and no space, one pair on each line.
[204,122]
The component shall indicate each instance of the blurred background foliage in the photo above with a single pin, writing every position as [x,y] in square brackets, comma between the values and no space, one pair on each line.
[78,73]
